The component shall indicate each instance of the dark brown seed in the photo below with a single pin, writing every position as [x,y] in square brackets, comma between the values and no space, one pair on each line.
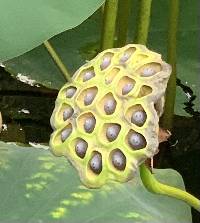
[112,132]
[127,88]
[67,113]
[105,62]
[70,92]
[65,134]
[88,75]
[125,57]
[96,163]
[81,148]
[109,106]
[119,160]
[89,124]
[137,141]
[138,118]
[89,97]
[148,71]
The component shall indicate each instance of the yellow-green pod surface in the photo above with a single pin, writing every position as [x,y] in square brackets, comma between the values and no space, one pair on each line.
[106,120]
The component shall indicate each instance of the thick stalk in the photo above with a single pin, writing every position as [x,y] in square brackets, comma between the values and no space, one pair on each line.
[154,186]
[167,119]
[109,23]
[57,60]
[124,9]
[143,21]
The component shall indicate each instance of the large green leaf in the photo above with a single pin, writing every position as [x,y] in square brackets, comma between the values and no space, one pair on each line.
[77,45]
[38,187]
[26,24]
[38,66]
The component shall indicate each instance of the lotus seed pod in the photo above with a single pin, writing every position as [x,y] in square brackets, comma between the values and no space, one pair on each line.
[114,96]
[138,118]
[81,148]
[96,163]
[89,124]
[119,160]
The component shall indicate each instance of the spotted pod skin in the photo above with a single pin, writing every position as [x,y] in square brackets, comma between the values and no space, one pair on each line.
[106,121]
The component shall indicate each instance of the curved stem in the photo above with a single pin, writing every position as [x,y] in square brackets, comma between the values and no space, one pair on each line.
[167,118]
[124,7]
[154,186]
[143,21]
[109,23]
[57,60]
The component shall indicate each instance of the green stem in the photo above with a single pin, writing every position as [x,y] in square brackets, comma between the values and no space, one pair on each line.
[109,23]
[124,7]
[57,60]
[143,21]
[167,119]
[154,186]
